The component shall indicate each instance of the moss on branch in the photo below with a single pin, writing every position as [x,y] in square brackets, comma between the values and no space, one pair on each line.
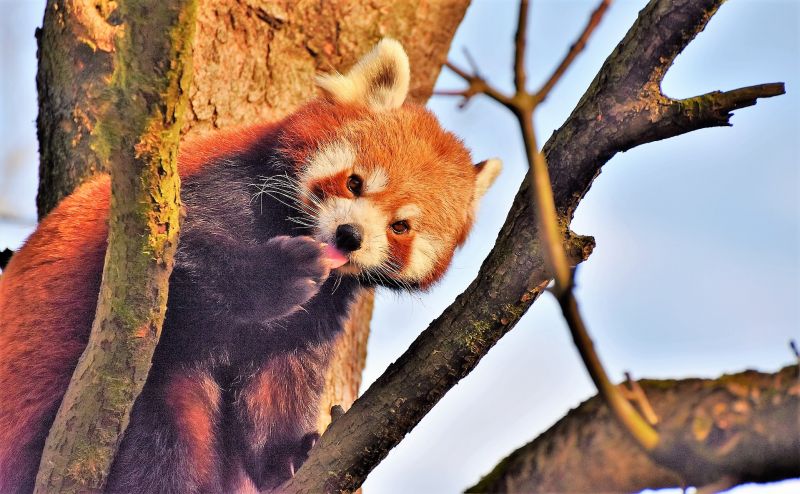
[137,139]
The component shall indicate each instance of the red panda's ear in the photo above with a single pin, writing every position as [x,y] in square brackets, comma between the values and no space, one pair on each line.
[487,172]
[378,81]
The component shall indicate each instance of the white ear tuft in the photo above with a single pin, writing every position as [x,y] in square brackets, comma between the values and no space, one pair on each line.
[378,81]
[487,172]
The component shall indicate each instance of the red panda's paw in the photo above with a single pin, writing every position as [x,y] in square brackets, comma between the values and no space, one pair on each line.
[303,257]
[300,454]
[300,269]
[283,460]
[306,443]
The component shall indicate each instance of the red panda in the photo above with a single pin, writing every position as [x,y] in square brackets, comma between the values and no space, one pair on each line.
[354,189]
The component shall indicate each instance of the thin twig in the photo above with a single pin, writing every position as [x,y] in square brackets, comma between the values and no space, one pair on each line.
[523,105]
[544,205]
[720,485]
[552,238]
[641,431]
[519,47]
[460,72]
[574,50]
[471,62]
[450,92]
[634,392]
[476,85]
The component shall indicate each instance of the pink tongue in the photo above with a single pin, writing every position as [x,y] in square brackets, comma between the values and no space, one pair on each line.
[335,257]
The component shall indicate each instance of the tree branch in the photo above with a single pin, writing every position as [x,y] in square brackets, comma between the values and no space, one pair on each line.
[76,58]
[624,107]
[138,136]
[523,105]
[520,44]
[476,84]
[574,50]
[618,109]
[744,424]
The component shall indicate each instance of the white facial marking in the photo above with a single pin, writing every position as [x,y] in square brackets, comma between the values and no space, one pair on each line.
[409,211]
[376,181]
[424,252]
[329,161]
[337,211]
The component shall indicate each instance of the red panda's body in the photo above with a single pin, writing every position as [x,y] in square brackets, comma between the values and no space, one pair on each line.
[231,398]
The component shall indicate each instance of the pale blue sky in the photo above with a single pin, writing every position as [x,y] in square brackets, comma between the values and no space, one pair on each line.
[697,265]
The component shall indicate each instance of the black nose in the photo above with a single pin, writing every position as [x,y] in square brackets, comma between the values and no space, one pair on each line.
[348,238]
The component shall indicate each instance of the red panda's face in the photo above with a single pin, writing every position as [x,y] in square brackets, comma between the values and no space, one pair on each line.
[389,188]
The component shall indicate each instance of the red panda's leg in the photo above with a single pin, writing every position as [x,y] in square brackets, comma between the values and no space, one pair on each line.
[276,413]
[172,441]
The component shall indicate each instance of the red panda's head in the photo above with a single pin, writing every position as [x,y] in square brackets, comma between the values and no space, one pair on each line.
[381,180]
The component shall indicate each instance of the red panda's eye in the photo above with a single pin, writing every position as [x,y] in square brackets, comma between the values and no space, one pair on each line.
[354,184]
[400,227]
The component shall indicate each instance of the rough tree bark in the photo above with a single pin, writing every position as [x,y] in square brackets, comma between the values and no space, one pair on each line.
[137,133]
[253,61]
[622,108]
[76,45]
[748,425]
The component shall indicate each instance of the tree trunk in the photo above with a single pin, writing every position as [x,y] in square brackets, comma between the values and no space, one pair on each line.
[76,44]
[253,61]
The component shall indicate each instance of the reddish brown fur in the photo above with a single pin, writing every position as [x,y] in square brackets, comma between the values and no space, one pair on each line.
[400,248]
[56,278]
[312,125]
[274,399]
[49,279]
[198,151]
[194,401]
[430,158]
[332,186]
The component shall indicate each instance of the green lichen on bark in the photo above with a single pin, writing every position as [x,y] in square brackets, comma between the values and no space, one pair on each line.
[136,138]
[75,62]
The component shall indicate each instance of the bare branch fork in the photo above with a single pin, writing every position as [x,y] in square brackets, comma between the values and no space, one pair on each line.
[523,104]
[622,108]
